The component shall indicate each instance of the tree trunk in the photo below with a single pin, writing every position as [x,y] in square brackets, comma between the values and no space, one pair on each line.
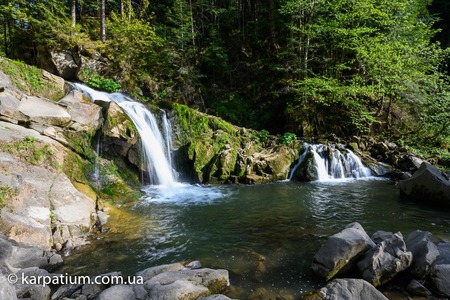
[103,21]
[5,35]
[192,23]
[122,10]
[73,12]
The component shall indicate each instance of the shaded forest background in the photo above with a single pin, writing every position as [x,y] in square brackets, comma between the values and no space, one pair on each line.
[310,67]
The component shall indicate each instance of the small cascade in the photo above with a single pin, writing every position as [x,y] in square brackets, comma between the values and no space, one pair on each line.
[156,147]
[326,162]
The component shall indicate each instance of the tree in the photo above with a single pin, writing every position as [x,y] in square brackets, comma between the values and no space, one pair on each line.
[103,20]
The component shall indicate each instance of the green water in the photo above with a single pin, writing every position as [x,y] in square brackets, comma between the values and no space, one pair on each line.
[265,235]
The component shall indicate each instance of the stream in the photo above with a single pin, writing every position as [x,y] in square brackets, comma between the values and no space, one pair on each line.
[265,235]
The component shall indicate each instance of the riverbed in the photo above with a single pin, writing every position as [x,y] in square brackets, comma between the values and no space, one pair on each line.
[265,235]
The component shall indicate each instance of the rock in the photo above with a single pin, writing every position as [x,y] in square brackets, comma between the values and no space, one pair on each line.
[149,273]
[9,106]
[118,292]
[215,297]
[341,251]
[347,289]
[440,275]
[427,185]
[387,259]
[46,208]
[424,252]
[186,284]
[66,63]
[381,236]
[85,115]
[48,113]
[26,256]
[7,290]
[416,288]
[194,265]
[26,287]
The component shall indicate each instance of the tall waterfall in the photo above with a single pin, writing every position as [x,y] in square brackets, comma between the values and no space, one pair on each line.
[155,145]
[329,163]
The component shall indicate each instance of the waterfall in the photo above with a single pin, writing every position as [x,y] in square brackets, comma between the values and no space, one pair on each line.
[329,163]
[155,146]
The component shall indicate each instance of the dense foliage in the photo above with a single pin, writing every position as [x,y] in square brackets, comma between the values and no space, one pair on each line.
[310,67]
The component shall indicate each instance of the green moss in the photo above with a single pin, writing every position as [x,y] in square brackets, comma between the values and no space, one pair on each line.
[75,167]
[6,194]
[30,80]
[81,143]
[31,150]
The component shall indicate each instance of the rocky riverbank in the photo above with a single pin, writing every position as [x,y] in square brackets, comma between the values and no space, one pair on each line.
[28,273]
[422,266]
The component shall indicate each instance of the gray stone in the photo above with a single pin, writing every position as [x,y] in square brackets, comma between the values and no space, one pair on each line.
[444,253]
[45,198]
[177,290]
[67,63]
[387,259]
[380,236]
[27,289]
[215,297]
[118,292]
[66,291]
[440,277]
[341,251]
[7,290]
[424,252]
[349,289]
[85,115]
[9,106]
[416,288]
[186,284]
[427,185]
[48,113]
[149,273]
[194,265]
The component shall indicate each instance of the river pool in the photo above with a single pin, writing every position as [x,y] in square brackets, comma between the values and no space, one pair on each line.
[265,235]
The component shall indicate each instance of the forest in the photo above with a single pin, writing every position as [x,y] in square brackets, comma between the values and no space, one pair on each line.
[307,67]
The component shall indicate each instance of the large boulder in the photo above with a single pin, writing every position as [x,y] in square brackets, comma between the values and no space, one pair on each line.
[341,251]
[440,275]
[66,63]
[48,113]
[45,208]
[7,290]
[386,260]
[186,284]
[427,185]
[424,251]
[347,289]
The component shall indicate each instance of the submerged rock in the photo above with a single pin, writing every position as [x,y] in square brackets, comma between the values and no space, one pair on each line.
[427,185]
[341,251]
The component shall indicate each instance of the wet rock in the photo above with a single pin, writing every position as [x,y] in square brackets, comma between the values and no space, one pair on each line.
[351,289]
[387,259]
[427,185]
[424,252]
[341,251]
